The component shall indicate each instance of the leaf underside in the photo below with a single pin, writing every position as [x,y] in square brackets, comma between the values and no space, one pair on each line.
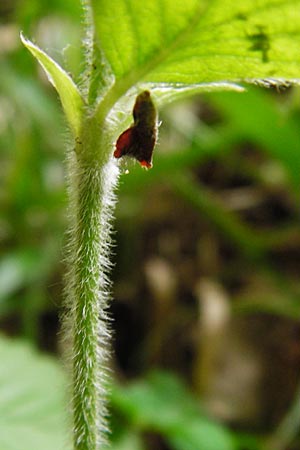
[199,41]
[178,48]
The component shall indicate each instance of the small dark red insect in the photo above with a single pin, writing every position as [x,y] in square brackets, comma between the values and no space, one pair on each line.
[139,139]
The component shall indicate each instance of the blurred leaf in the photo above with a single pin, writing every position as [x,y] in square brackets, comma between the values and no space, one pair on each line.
[162,403]
[195,434]
[199,41]
[283,304]
[31,10]
[32,391]
[258,118]
[128,441]
[70,97]
[27,94]
[249,441]
[22,268]
[212,208]
[159,392]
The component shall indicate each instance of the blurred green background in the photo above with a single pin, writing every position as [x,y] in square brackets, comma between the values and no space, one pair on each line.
[206,292]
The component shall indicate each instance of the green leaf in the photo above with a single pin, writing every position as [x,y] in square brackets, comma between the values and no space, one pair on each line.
[195,434]
[259,119]
[199,41]
[163,404]
[32,391]
[127,441]
[71,99]
[159,392]
[22,268]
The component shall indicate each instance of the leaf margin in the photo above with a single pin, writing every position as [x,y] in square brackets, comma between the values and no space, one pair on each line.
[71,99]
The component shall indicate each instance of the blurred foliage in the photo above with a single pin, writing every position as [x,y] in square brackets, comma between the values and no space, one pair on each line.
[179,421]
[207,257]
[32,399]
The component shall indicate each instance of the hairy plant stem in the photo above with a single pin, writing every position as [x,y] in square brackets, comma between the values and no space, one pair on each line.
[91,192]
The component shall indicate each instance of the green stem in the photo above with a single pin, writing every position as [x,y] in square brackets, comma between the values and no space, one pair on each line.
[92,184]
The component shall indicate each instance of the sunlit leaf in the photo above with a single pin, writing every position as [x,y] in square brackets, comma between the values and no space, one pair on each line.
[199,41]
